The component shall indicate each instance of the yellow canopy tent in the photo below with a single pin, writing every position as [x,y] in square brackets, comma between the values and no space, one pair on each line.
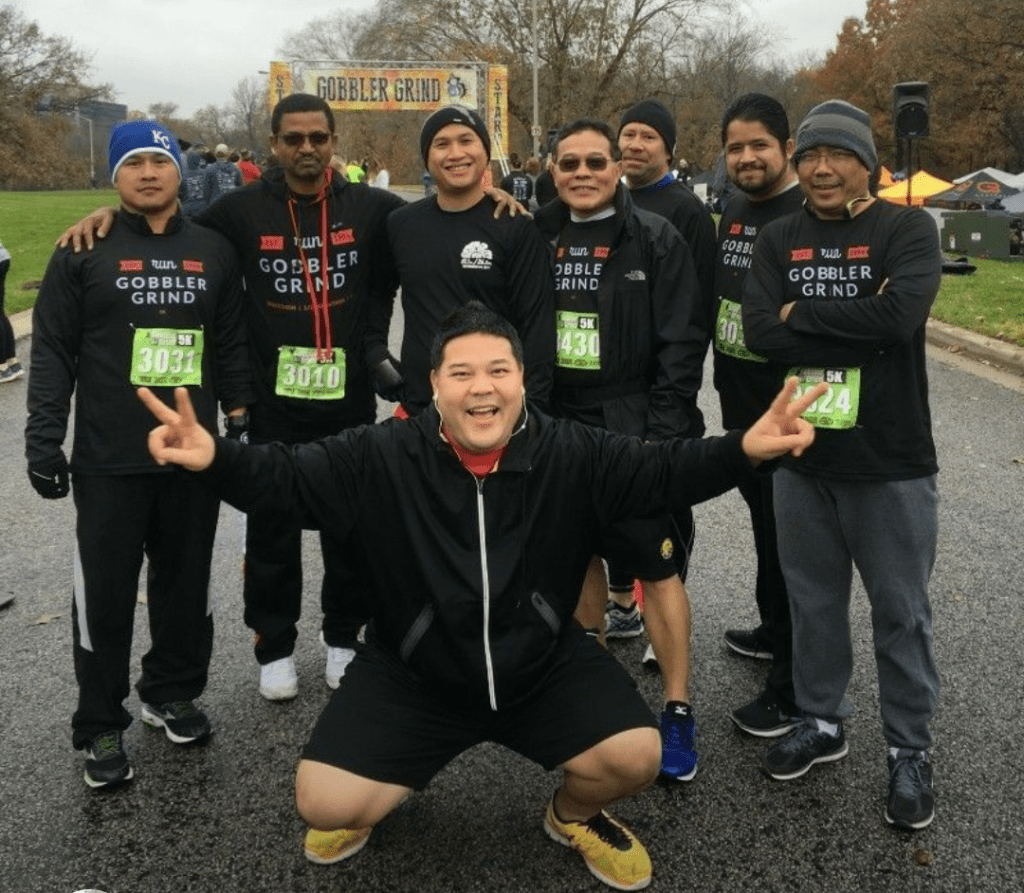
[885,177]
[922,184]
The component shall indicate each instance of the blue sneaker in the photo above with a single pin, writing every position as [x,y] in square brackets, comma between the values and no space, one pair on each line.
[678,742]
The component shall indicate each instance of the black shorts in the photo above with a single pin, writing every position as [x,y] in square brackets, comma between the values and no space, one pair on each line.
[648,549]
[380,725]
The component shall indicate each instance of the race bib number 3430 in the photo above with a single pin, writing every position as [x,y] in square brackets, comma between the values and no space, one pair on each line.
[579,340]
[167,358]
[837,408]
[304,376]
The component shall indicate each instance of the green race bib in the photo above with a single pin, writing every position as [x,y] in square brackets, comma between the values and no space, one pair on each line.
[837,408]
[302,376]
[729,333]
[579,340]
[167,358]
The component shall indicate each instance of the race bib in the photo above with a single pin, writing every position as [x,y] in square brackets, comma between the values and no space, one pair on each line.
[302,376]
[579,340]
[837,408]
[167,358]
[729,333]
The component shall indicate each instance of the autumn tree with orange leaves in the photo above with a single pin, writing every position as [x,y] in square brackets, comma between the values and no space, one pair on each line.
[972,55]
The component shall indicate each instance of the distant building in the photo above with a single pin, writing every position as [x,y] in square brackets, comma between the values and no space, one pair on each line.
[103,115]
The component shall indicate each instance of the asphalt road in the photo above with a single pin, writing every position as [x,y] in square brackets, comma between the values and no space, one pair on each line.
[221,819]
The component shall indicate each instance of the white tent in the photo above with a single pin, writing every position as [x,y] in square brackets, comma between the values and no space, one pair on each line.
[1015,203]
[993,173]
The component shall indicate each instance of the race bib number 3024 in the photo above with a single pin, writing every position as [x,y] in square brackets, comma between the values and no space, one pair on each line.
[837,408]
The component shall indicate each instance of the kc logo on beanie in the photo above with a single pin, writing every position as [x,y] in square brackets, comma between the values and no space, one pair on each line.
[134,137]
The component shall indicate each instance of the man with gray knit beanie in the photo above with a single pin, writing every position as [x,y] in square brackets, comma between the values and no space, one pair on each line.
[840,292]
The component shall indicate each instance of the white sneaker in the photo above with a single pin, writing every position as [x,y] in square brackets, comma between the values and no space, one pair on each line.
[649,660]
[338,660]
[278,680]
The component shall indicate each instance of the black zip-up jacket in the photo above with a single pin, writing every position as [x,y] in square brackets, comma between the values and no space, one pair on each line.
[471,582]
[256,220]
[652,342]
[89,308]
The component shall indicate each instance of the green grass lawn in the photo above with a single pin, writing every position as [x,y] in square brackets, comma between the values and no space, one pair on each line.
[990,302]
[30,223]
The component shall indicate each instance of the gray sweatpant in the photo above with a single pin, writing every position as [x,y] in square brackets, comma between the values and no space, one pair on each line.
[888,530]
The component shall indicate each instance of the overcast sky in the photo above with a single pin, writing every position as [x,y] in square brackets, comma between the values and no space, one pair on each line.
[193,52]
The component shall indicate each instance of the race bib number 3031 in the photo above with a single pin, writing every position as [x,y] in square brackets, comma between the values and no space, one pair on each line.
[167,358]
[579,340]
[837,408]
[302,375]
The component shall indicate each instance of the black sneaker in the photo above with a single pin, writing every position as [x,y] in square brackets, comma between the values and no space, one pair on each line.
[911,803]
[802,748]
[750,642]
[181,720]
[106,762]
[764,717]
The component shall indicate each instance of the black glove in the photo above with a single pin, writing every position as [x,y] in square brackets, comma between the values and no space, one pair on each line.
[387,380]
[50,479]
[237,427]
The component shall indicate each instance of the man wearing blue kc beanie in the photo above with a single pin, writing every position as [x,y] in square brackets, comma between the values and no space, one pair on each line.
[134,137]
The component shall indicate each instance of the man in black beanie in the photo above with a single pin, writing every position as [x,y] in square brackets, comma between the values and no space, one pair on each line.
[646,139]
[449,249]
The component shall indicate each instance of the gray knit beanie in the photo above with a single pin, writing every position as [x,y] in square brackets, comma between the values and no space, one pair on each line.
[839,124]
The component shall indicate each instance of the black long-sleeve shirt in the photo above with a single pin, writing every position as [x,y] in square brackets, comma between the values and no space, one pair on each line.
[89,338]
[863,287]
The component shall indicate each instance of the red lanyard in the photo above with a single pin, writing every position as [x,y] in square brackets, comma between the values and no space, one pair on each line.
[321,311]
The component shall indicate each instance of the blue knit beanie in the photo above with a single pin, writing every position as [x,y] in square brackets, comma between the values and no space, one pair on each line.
[134,137]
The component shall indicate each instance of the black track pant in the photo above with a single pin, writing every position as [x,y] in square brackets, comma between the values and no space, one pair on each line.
[172,519]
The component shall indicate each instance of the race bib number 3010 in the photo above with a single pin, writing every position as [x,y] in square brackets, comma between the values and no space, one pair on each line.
[167,358]
[837,408]
[300,374]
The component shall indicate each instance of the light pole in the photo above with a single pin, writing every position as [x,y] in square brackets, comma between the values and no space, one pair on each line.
[92,156]
[535,130]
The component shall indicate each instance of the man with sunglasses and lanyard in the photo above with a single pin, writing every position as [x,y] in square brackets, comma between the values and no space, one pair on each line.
[295,224]
[625,289]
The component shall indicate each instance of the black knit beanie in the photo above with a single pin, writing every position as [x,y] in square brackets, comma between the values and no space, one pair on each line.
[652,113]
[453,114]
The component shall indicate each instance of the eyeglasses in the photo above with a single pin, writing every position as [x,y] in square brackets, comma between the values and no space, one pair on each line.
[592,163]
[829,156]
[294,140]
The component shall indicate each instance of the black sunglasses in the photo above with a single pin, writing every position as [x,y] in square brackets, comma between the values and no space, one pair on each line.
[593,163]
[294,140]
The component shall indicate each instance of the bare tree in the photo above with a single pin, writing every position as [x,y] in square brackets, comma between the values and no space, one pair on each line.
[248,112]
[39,74]
[162,111]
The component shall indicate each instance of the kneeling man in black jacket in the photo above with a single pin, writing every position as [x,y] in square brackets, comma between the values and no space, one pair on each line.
[490,515]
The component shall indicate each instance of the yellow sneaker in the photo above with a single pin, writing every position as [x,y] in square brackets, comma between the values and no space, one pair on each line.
[328,847]
[610,849]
